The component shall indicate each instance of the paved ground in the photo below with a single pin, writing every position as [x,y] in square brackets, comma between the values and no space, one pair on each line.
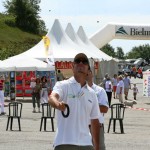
[136,127]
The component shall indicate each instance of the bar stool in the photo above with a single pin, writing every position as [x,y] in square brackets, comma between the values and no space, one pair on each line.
[117,113]
[15,110]
[48,112]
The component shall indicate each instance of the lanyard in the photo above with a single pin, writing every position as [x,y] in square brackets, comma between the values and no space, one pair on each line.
[68,111]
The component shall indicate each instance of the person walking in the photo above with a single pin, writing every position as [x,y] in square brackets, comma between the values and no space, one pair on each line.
[120,89]
[76,103]
[140,73]
[135,91]
[104,80]
[134,71]
[108,88]
[2,95]
[127,85]
[103,106]
[44,90]
[36,88]
[114,84]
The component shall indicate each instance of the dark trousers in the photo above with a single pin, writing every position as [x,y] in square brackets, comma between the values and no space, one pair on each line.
[109,95]
[73,147]
[36,98]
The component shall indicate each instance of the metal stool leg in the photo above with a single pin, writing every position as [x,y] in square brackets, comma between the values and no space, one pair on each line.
[11,123]
[19,124]
[109,125]
[41,124]
[7,123]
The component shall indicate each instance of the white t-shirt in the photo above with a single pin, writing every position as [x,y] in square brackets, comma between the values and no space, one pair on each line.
[135,90]
[114,81]
[102,99]
[120,84]
[32,84]
[83,105]
[108,86]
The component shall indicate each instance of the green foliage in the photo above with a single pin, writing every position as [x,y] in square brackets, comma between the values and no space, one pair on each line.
[26,13]
[120,53]
[14,41]
[15,48]
[109,50]
[142,51]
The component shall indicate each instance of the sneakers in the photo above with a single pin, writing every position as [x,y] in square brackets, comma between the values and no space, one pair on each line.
[34,111]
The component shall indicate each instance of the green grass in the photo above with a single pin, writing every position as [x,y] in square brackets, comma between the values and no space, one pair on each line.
[11,35]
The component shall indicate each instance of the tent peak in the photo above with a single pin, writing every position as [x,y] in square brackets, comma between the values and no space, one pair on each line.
[82,34]
[57,31]
[70,32]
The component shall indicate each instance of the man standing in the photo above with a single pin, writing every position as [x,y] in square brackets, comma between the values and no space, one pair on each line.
[81,100]
[103,106]
[2,94]
[127,85]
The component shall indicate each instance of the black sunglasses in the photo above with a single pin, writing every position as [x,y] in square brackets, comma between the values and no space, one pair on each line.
[84,61]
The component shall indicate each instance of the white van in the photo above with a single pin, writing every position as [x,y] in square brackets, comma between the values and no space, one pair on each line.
[139,62]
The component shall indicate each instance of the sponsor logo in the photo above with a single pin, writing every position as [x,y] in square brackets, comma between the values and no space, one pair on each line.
[121,30]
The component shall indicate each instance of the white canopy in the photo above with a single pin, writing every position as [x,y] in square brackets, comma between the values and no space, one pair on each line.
[90,45]
[81,39]
[62,47]
[6,67]
[26,64]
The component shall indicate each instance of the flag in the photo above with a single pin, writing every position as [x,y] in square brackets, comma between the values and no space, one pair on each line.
[48,51]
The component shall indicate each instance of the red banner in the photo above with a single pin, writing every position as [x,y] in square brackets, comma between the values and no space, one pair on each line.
[68,65]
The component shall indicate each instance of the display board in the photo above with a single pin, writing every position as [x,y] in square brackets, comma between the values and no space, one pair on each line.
[146,83]
[51,78]
[23,79]
[12,86]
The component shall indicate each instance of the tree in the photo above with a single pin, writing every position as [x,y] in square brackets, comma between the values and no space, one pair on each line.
[142,51]
[26,14]
[120,53]
[109,50]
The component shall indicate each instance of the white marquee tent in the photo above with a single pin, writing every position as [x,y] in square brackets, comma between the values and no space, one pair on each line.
[81,34]
[18,63]
[88,49]
[62,47]
[6,67]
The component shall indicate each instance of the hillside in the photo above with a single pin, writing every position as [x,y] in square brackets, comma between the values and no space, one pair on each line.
[13,40]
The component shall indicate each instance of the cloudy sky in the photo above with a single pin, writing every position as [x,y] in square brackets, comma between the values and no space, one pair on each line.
[95,14]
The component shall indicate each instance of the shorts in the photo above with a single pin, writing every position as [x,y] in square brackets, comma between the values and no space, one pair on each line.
[126,90]
[114,88]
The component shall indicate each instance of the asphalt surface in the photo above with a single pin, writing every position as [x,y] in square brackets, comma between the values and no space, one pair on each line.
[136,128]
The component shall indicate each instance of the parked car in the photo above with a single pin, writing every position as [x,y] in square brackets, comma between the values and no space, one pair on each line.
[126,70]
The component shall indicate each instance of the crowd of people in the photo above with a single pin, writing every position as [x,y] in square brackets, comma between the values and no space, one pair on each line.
[119,86]
[136,72]
[40,92]
[85,103]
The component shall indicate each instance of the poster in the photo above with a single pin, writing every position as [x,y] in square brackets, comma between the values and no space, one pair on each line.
[146,84]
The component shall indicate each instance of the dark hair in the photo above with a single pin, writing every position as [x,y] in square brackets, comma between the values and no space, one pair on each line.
[37,79]
[83,57]
[43,78]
